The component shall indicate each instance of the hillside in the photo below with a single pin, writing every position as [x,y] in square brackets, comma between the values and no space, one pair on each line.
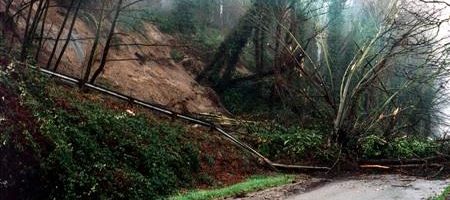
[134,99]
[89,145]
[145,72]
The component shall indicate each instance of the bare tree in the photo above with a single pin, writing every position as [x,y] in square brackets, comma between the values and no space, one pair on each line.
[93,52]
[60,32]
[108,42]
[69,35]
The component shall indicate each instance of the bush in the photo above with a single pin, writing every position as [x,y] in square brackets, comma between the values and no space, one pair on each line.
[96,153]
[176,55]
[208,39]
[295,143]
[245,99]
[374,147]
[183,16]
[411,148]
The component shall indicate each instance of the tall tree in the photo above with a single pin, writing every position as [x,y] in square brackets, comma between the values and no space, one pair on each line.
[69,35]
[108,42]
[60,32]
[94,48]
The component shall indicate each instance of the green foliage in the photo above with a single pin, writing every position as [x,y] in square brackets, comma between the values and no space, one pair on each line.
[445,194]
[134,20]
[96,153]
[373,147]
[251,185]
[295,142]
[235,101]
[183,16]
[208,39]
[165,24]
[176,55]
[247,99]
[412,147]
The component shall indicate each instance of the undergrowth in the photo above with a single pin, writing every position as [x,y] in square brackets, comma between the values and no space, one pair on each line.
[373,147]
[250,185]
[81,150]
[310,145]
[444,195]
[295,144]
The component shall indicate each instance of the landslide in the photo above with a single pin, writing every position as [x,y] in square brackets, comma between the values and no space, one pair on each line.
[146,72]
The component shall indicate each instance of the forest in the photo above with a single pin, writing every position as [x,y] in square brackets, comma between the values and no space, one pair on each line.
[142,99]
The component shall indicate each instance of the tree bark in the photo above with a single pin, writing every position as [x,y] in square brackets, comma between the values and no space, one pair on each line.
[60,32]
[41,34]
[108,43]
[69,36]
[228,54]
[92,54]
[25,43]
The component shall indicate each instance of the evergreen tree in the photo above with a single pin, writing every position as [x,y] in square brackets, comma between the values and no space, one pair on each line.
[183,16]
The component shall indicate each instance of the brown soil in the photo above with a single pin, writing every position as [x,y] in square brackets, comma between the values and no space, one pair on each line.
[155,77]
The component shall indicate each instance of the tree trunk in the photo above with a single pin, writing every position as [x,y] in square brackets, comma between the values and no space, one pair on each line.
[41,34]
[69,36]
[228,53]
[108,43]
[60,32]
[92,54]
[258,51]
[25,43]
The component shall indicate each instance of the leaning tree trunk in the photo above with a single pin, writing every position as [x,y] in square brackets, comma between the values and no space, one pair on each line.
[108,43]
[92,54]
[26,37]
[69,36]
[60,32]
[41,33]
[228,54]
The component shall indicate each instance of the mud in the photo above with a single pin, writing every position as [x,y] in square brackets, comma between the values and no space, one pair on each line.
[376,187]
[300,185]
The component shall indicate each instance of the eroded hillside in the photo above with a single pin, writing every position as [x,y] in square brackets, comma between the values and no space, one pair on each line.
[140,63]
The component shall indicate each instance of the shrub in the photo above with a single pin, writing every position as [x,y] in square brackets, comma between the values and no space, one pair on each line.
[373,147]
[96,153]
[208,39]
[295,143]
[411,147]
[176,55]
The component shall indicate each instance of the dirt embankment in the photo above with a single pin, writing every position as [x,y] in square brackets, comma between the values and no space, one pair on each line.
[145,72]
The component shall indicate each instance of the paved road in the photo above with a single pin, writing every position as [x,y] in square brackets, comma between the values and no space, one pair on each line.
[384,187]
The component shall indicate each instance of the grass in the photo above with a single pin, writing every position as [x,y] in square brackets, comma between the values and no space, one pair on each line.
[444,195]
[251,185]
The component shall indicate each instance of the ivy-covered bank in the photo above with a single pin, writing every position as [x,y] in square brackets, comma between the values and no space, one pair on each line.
[57,146]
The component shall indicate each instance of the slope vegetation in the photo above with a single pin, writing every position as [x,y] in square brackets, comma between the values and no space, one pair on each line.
[80,145]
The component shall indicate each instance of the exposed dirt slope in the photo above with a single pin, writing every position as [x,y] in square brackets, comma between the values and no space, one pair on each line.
[155,77]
